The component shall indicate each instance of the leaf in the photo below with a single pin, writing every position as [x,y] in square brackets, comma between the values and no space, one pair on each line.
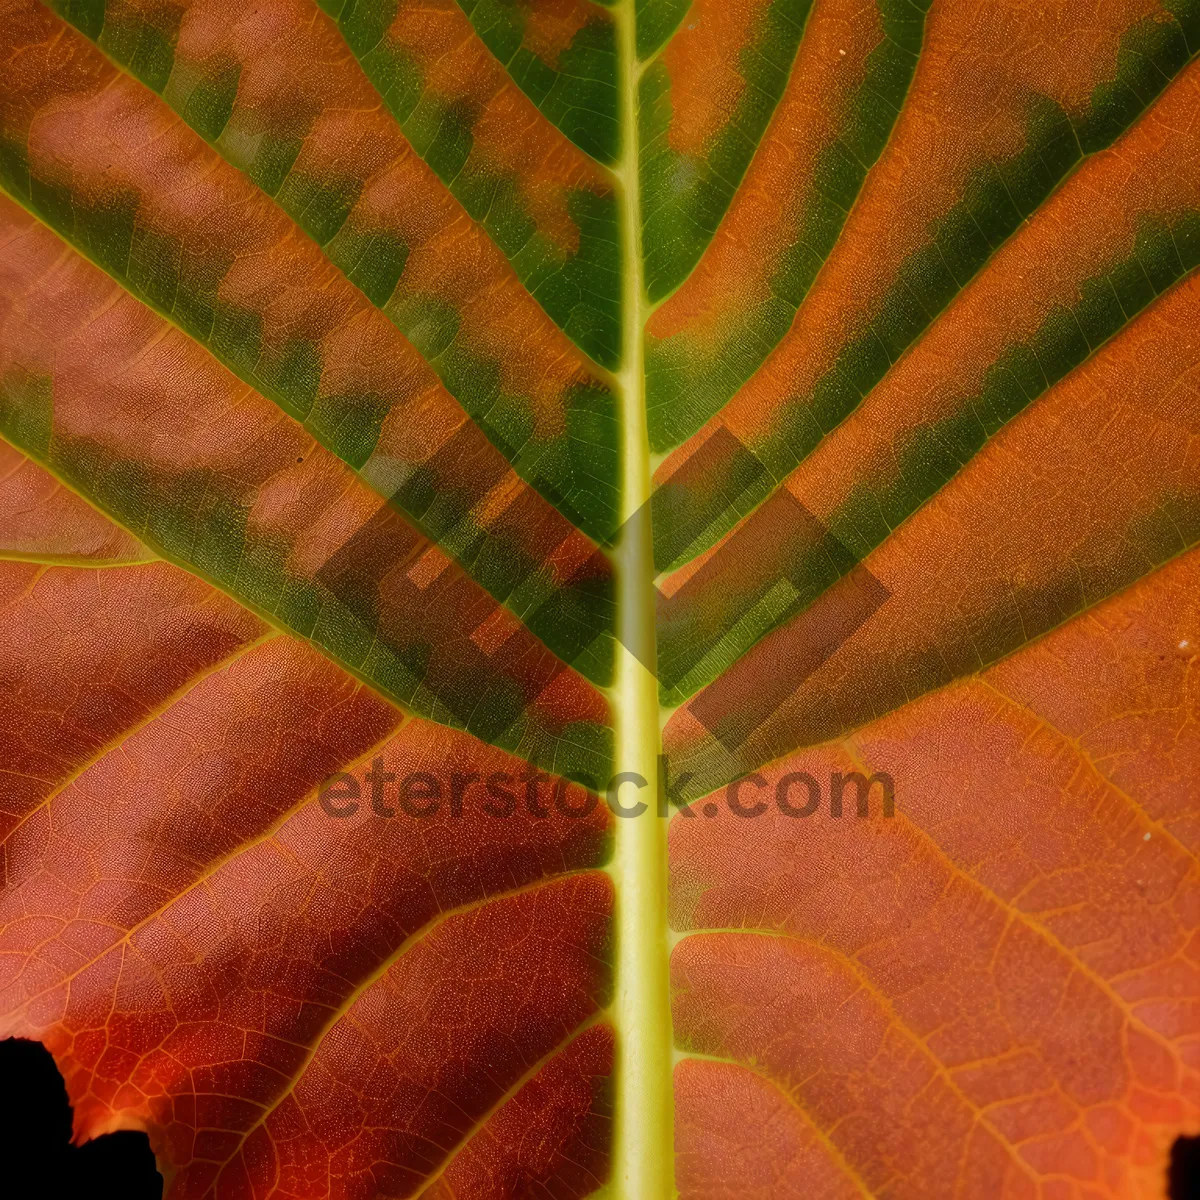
[601,599]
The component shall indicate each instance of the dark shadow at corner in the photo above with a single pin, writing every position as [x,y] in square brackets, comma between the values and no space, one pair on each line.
[37,1160]
[1183,1175]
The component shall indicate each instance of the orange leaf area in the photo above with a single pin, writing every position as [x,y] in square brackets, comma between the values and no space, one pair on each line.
[423,421]
[993,992]
[292,1002]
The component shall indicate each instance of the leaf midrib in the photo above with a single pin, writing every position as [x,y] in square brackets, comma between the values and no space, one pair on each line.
[643,1138]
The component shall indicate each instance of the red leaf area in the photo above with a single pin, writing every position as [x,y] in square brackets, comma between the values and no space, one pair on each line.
[291,1004]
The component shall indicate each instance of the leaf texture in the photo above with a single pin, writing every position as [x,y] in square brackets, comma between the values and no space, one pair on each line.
[600,599]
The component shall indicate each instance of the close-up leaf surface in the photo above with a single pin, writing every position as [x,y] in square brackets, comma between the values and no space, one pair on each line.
[602,599]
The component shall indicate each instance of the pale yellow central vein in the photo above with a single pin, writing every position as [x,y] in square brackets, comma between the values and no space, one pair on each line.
[642,1164]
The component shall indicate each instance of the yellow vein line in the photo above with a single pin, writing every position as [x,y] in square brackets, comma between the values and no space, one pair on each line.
[597,1018]
[844,738]
[77,563]
[642,1155]
[388,962]
[1044,722]
[126,287]
[223,589]
[943,314]
[1037,928]
[147,718]
[208,873]
[864,981]
[831,1149]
